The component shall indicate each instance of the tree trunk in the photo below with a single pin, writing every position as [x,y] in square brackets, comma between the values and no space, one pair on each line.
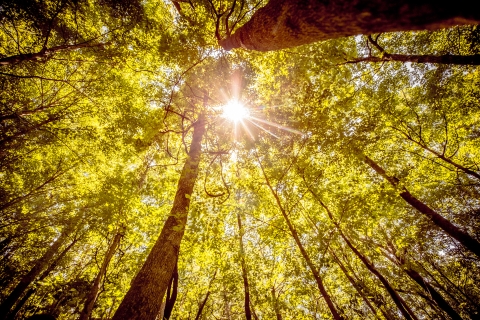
[436,296]
[288,23]
[429,289]
[464,238]
[393,294]
[31,291]
[304,253]
[353,282]
[201,306]
[171,294]
[44,53]
[431,292]
[142,301]
[248,313]
[441,155]
[276,308]
[442,59]
[93,294]
[30,277]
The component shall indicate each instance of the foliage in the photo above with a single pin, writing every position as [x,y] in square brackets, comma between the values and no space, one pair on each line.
[94,137]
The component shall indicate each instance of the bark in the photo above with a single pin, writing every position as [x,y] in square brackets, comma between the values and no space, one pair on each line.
[441,155]
[171,294]
[313,269]
[248,313]
[442,59]
[44,53]
[31,291]
[434,294]
[202,305]
[142,301]
[32,275]
[464,238]
[93,294]
[393,294]
[278,314]
[431,292]
[288,23]
[353,282]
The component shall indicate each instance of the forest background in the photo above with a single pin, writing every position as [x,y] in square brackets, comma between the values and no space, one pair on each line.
[314,206]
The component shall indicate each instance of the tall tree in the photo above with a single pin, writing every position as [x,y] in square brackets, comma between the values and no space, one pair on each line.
[333,309]
[391,291]
[151,282]
[40,265]
[248,313]
[455,232]
[93,294]
[288,23]
[172,292]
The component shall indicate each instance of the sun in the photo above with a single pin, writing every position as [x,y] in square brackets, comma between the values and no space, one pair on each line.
[235,111]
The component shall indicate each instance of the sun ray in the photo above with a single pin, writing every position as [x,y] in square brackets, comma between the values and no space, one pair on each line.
[248,130]
[267,131]
[276,125]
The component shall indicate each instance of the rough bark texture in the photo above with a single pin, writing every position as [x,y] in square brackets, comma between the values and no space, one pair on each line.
[443,59]
[288,23]
[248,313]
[304,253]
[464,238]
[93,294]
[31,276]
[142,301]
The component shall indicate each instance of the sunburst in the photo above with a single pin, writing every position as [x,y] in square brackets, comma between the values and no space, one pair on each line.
[240,114]
[235,111]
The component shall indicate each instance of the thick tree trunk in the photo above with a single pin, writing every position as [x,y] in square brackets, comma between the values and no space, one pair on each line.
[93,294]
[464,238]
[443,59]
[30,277]
[288,23]
[171,294]
[248,313]
[313,269]
[142,301]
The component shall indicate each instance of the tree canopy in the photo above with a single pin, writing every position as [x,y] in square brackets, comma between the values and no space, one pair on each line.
[147,173]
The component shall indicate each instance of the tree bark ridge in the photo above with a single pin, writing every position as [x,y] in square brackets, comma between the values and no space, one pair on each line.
[142,301]
[287,23]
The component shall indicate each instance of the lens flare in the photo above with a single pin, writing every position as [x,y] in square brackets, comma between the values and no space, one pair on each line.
[235,111]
